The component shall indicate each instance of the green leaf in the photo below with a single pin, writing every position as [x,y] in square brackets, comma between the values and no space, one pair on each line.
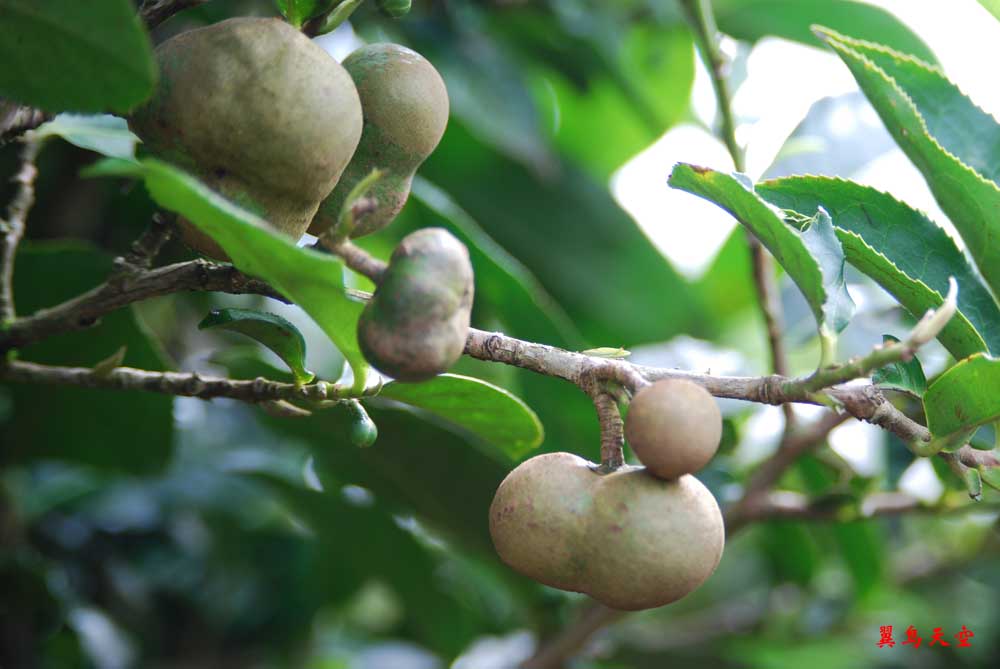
[125,431]
[990,476]
[105,134]
[945,136]
[813,257]
[792,19]
[644,91]
[992,6]
[491,413]
[69,55]
[415,468]
[364,541]
[488,92]
[312,280]
[902,250]
[964,397]
[273,331]
[907,377]
[298,12]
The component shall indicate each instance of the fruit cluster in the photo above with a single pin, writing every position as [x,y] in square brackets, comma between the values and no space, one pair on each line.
[265,117]
[633,538]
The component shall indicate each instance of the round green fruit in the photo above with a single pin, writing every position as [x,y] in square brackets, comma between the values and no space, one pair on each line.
[405,106]
[416,323]
[628,539]
[259,113]
[674,427]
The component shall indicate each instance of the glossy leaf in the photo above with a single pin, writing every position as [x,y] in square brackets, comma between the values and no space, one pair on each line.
[273,331]
[365,542]
[298,11]
[813,257]
[105,134]
[66,55]
[792,19]
[907,377]
[491,413]
[964,397]
[415,468]
[945,136]
[312,280]
[902,250]
[644,92]
[992,6]
[125,431]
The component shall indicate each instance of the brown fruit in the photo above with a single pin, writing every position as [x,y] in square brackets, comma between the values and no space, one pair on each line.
[628,539]
[674,427]
[416,323]
[405,107]
[259,113]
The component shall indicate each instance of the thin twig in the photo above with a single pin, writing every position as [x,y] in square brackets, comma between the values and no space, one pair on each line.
[792,505]
[890,352]
[702,19]
[12,227]
[794,444]
[557,652]
[355,257]
[83,311]
[145,249]
[706,37]
[16,119]
[171,383]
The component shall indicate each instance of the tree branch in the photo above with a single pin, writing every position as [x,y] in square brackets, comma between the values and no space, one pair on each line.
[83,311]
[172,383]
[145,249]
[355,257]
[12,228]
[794,444]
[884,354]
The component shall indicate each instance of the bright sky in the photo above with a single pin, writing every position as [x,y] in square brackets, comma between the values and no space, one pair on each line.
[783,80]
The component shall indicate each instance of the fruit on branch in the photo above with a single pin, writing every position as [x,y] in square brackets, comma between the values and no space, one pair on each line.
[416,323]
[259,113]
[674,427]
[405,107]
[628,539]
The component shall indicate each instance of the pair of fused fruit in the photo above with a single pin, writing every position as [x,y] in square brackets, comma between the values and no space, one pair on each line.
[633,538]
[267,118]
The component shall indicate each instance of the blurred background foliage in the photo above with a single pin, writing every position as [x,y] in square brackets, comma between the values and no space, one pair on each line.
[144,531]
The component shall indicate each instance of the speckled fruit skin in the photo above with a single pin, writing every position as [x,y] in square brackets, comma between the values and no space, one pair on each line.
[628,539]
[405,106]
[416,323]
[674,427]
[258,112]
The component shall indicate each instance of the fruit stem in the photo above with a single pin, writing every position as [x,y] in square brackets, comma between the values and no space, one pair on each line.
[612,432]
[354,208]
[332,21]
